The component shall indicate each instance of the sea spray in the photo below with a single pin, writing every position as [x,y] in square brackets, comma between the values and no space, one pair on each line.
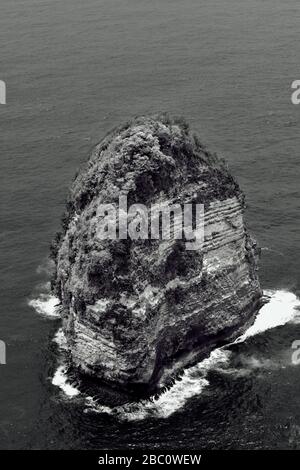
[281,309]
[46,305]
[60,340]
[43,301]
[60,379]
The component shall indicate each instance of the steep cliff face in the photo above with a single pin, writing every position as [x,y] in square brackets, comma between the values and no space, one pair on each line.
[135,311]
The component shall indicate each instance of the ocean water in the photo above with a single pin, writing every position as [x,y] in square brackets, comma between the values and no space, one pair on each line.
[74,70]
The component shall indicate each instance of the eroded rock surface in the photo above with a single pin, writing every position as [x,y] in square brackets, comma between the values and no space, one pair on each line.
[135,311]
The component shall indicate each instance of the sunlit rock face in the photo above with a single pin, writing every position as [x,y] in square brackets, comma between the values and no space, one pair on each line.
[137,311]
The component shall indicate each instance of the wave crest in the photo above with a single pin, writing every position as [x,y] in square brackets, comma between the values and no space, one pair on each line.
[283,307]
[46,305]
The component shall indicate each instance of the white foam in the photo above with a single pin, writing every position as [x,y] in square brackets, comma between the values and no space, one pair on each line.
[46,305]
[282,308]
[60,340]
[60,380]
[190,384]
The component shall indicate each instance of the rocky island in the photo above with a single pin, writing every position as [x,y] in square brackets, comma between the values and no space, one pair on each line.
[135,312]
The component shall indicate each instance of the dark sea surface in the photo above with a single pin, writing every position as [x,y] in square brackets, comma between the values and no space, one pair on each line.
[74,69]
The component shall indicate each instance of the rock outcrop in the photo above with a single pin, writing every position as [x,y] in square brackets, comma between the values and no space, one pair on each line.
[136,311]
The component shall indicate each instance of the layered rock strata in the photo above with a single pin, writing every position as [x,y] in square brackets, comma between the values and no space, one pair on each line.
[136,311]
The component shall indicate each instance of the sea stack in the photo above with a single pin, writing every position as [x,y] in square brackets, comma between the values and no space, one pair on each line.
[137,311]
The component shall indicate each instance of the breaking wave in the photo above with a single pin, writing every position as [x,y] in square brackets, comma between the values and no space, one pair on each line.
[60,379]
[60,340]
[46,305]
[283,307]
[43,301]
[190,384]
